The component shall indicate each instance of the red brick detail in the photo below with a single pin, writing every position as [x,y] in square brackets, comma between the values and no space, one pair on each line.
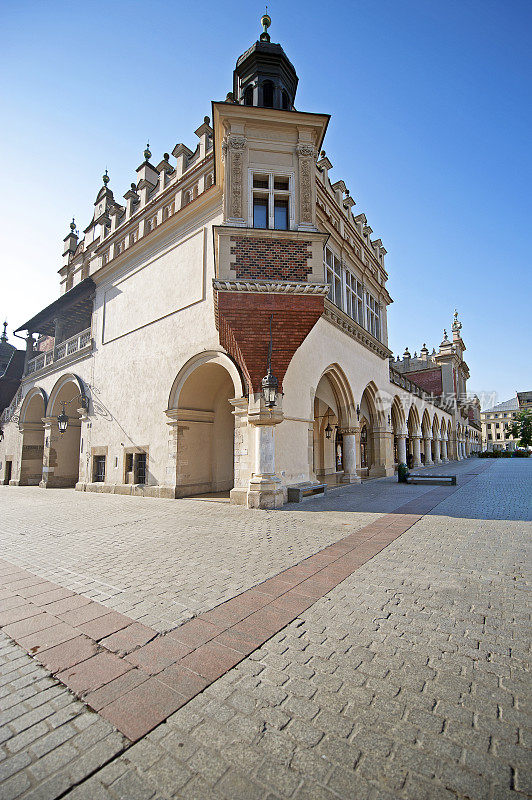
[244,327]
[428,379]
[270,259]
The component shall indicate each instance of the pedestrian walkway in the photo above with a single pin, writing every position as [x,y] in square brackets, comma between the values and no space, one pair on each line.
[389,664]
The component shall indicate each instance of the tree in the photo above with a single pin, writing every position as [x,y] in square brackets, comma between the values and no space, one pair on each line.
[521,428]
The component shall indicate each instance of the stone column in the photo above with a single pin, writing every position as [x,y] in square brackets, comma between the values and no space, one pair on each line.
[350,456]
[444,450]
[416,450]
[29,351]
[428,451]
[437,456]
[265,489]
[48,460]
[401,448]
[84,451]
[382,453]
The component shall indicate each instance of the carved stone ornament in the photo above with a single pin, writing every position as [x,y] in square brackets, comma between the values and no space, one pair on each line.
[305,150]
[306,161]
[349,431]
[236,146]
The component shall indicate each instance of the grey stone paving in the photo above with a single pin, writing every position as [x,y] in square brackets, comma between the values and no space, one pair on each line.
[409,680]
[164,561]
[49,741]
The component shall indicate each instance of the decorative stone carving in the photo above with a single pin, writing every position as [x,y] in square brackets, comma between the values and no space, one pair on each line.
[306,154]
[272,287]
[236,146]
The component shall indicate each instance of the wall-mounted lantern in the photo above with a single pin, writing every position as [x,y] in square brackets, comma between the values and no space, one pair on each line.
[270,384]
[358,412]
[62,418]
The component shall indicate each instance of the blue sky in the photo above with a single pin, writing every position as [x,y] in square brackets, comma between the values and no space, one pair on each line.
[431,117]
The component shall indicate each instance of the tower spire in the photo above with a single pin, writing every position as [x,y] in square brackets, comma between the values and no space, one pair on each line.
[265,21]
[3,338]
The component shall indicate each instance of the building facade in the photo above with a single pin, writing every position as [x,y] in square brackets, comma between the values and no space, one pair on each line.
[495,435]
[224,327]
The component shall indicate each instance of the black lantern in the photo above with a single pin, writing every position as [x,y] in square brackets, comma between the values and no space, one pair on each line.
[270,384]
[358,412]
[328,429]
[62,421]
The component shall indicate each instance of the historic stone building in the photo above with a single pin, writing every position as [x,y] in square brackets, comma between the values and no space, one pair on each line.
[495,435]
[224,326]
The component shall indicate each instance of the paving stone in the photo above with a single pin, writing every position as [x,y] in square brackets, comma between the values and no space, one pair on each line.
[93,672]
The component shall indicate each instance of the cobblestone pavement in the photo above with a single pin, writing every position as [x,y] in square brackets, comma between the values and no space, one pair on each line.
[408,680]
[164,561]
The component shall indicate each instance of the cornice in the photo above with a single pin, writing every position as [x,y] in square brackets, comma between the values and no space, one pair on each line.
[344,323]
[271,287]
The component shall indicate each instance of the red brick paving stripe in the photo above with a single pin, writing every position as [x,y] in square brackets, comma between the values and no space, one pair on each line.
[193,655]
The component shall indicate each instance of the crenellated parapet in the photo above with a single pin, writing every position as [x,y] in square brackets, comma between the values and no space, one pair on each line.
[157,194]
[336,206]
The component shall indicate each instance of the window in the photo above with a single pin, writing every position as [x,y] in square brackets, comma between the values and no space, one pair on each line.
[496,424]
[373,316]
[489,436]
[267,94]
[260,212]
[498,436]
[354,298]
[99,469]
[271,197]
[281,215]
[333,269]
[248,96]
[285,101]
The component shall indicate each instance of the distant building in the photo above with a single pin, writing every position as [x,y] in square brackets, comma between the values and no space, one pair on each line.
[495,420]
[11,368]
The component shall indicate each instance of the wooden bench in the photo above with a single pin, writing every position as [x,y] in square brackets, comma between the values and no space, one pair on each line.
[300,490]
[439,480]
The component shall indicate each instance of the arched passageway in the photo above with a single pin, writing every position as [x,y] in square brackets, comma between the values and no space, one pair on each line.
[205,428]
[62,450]
[32,426]
[334,454]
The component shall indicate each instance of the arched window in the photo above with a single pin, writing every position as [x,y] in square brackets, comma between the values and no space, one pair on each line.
[208,181]
[186,198]
[364,447]
[248,96]
[267,94]
[285,101]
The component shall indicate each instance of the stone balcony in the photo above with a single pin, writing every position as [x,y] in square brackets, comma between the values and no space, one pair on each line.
[78,345]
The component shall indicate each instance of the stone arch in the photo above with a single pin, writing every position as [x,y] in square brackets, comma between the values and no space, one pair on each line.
[31,425]
[207,357]
[399,429]
[68,377]
[203,424]
[34,392]
[333,412]
[61,460]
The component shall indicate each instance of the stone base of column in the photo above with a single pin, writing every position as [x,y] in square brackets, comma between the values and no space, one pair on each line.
[266,493]
[381,471]
[11,483]
[429,463]
[238,497]
[350,478]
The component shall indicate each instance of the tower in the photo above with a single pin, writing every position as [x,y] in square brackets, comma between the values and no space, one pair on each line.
[264,76]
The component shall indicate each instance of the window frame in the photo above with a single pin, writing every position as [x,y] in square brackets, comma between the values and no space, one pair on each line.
[271,193]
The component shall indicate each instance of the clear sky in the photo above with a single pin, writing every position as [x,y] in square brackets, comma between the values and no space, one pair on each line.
[431,130]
